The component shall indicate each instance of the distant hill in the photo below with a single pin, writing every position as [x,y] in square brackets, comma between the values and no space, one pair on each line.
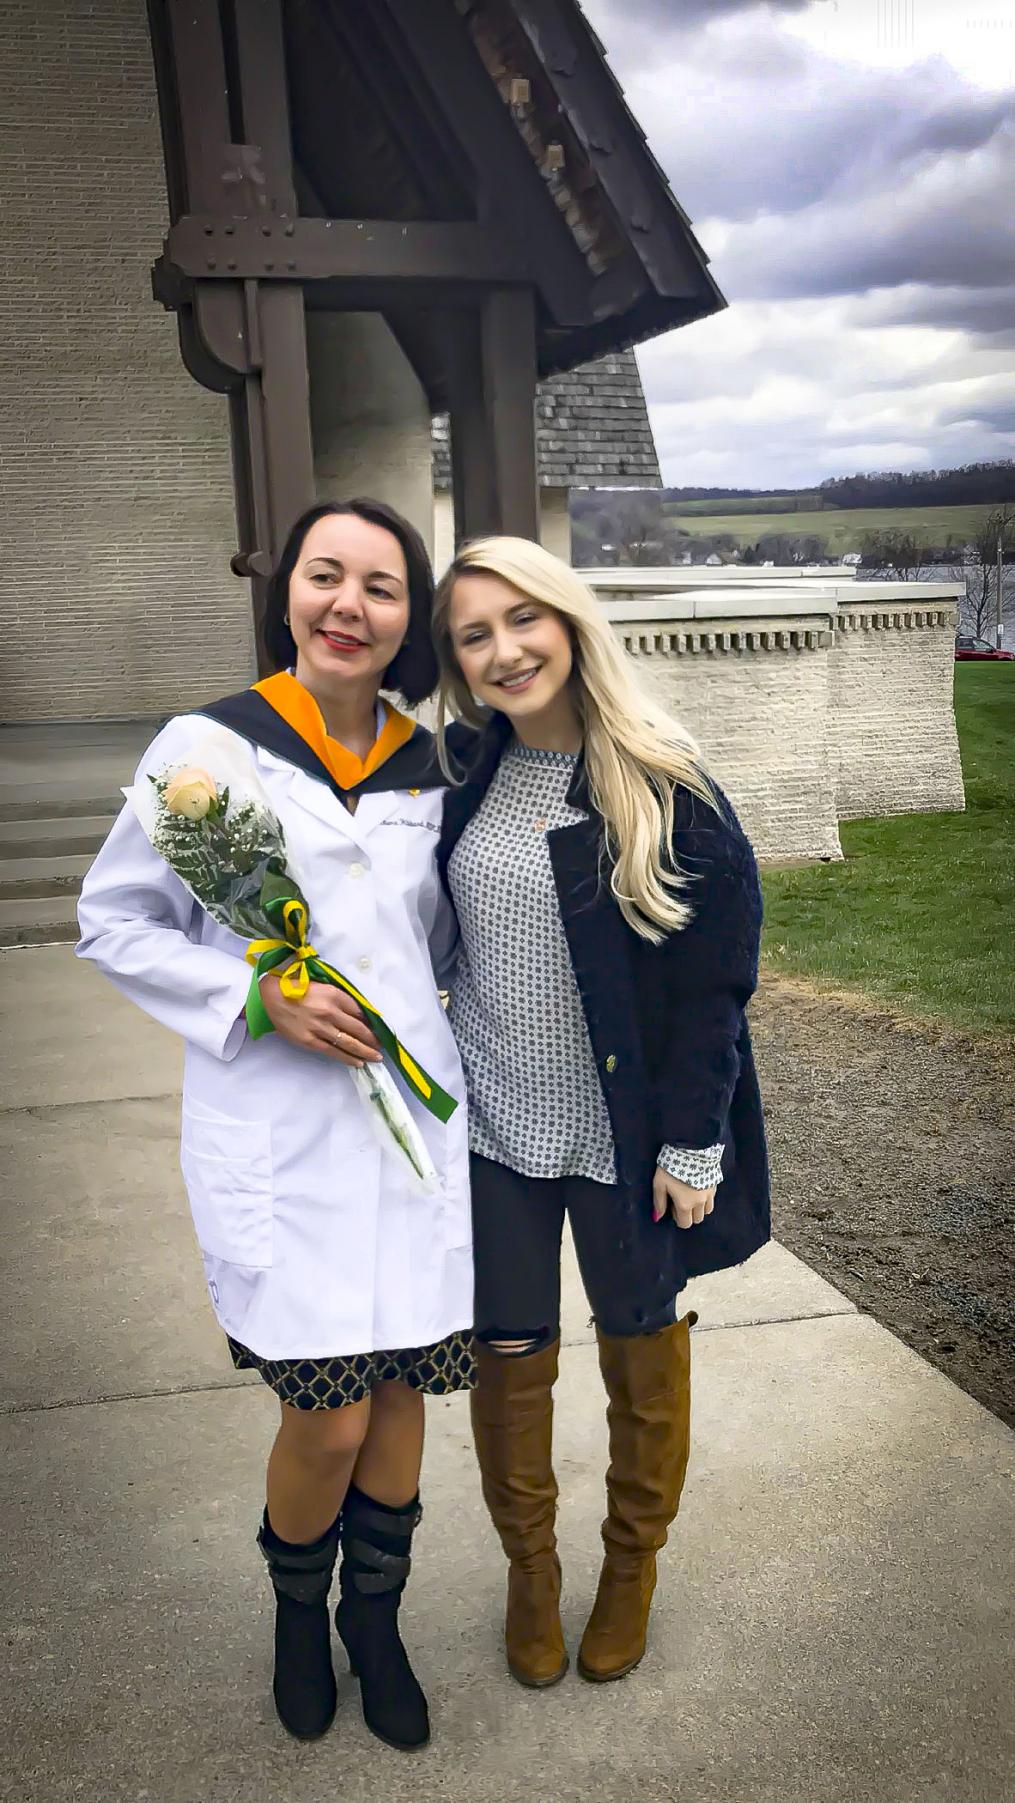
[972,484]
[734,494]
[833,532]
[798,501]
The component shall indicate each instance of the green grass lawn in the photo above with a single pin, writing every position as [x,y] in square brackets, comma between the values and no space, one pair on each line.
[922,912]
[841,528]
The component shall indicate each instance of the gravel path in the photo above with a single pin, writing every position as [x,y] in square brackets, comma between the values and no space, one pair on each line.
[893,1157]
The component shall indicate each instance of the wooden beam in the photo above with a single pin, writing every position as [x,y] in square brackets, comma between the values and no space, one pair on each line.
[264,97]
[275,312]
[215,248]
[492,354]
[238,336]
[195,36]
[285,398]
[508,333]
[472,471]
[165,83]
[510,190]
[326,41]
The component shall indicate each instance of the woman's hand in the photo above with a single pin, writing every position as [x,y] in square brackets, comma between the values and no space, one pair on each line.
[324,1020]
[688,1206]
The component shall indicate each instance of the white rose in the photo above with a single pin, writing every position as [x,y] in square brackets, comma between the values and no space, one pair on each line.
[190,793]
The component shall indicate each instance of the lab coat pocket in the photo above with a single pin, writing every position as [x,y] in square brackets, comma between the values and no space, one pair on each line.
[227,1168]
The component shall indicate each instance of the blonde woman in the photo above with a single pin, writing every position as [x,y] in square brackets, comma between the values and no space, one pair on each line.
[609,910]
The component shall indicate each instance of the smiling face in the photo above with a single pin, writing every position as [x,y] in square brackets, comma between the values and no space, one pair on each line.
[348,603]
[514,653]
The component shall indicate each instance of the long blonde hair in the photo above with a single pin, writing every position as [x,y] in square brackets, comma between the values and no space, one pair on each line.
[634,753]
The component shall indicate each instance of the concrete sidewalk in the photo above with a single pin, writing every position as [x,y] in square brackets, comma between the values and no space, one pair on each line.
[834,1619]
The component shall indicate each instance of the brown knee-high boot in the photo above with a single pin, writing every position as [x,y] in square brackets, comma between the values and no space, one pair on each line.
[648,1381]
[512,1421]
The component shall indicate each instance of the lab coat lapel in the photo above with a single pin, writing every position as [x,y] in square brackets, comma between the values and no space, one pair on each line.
[315,797]
[413,767]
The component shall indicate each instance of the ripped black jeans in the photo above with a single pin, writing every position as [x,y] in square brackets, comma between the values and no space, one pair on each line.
[517,1224]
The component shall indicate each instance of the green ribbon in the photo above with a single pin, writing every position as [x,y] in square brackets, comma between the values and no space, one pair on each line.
[303,966]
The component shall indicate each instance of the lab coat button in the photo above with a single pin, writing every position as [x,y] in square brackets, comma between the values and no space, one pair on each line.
[365,963]
[356,870]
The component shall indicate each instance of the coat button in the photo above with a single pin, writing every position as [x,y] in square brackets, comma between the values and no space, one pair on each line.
[365,963]
[356,870]
[611,1063]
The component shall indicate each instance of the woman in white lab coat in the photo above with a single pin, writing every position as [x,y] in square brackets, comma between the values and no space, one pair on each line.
[350,1294]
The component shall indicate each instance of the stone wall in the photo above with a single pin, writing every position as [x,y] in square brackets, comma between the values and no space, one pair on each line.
[812,703]
[755,694]
[115,468]
[894,745]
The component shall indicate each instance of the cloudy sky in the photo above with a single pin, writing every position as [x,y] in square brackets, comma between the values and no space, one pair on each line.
[849,166]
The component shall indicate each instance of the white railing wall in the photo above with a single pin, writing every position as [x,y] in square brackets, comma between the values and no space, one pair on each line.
[815,698]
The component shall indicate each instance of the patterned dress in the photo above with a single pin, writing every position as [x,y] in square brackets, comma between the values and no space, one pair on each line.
[330,1383]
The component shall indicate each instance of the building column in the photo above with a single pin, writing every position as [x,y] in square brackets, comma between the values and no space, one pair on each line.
[493,416]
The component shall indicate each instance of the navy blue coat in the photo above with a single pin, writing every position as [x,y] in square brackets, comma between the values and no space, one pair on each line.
[667,1022]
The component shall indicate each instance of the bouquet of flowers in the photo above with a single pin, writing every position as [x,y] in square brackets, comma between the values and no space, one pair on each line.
[223,840]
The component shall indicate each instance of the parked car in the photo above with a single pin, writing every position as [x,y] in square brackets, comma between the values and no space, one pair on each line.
[969,650]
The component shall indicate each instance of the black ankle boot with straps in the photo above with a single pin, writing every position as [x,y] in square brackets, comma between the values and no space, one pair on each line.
[376,1542]
[304,1683]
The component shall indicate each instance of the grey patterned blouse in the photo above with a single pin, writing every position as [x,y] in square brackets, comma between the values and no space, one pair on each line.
[535,1100]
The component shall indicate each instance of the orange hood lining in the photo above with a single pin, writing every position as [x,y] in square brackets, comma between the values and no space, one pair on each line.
[299,710]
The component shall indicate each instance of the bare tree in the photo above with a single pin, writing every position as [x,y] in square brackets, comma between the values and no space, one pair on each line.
[790,547]
[895,554]
[635,525]
[997,527]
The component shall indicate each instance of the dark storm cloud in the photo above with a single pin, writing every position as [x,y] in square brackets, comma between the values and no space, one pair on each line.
[969,122]
[815,177]
[685,15]
[999,419]
[857,217]
[985,312]
[949,231]
[768,125]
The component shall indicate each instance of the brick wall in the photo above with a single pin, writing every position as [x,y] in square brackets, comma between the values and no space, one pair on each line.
[117,516]
[893,740]
[755,696]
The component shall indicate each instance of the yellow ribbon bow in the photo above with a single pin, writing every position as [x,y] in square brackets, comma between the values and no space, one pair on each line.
[303,965]
[295,979]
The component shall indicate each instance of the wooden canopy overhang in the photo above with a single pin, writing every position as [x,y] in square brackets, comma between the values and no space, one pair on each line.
[467,168]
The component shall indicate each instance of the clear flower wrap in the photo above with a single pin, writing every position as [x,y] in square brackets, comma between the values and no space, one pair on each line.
[212,822]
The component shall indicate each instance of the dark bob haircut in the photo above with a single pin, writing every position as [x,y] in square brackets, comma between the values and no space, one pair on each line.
[413,672]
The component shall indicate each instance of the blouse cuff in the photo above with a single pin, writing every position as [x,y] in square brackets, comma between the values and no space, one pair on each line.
[700,1169]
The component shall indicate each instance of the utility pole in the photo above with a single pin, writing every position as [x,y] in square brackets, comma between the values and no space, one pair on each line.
[999,618]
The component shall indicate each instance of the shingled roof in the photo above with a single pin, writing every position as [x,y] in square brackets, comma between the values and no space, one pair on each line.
[503,112]
[593,430]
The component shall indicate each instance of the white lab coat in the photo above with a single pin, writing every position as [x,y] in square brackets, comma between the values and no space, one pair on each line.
[313,1244]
